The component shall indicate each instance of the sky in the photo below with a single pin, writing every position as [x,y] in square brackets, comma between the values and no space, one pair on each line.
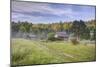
[37,12]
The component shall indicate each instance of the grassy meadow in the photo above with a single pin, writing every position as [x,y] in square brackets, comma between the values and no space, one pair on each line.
[25,52]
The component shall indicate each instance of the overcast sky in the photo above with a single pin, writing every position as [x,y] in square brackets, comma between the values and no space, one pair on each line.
[50,12]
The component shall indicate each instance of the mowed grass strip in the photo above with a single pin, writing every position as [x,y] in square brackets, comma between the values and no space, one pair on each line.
[80,52]
[37,52]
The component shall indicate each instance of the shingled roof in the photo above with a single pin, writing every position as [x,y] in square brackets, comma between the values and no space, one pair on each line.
[61,34]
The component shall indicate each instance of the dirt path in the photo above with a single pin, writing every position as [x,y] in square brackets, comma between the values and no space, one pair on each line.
[53,51]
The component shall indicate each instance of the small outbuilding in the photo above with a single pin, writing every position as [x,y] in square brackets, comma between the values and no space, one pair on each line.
[61,35]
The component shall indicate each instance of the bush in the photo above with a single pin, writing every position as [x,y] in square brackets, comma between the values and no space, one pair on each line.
[51,36]
[74,41]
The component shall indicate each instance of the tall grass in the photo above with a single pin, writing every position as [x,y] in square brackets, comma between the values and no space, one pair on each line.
[25,52]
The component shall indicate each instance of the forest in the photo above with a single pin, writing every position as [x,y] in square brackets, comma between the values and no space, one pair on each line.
[81,29]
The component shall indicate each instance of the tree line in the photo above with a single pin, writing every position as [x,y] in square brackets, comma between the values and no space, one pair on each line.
[81,29]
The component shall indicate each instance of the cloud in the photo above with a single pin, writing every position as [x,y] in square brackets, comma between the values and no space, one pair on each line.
[43,8]
[33,11]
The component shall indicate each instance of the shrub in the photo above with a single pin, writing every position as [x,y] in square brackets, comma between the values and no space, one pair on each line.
[74,41]
[51,36]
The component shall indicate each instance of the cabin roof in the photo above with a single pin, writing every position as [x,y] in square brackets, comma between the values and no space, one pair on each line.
[62,34]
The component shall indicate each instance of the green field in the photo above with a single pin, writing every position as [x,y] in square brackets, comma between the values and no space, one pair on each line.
[25,52]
